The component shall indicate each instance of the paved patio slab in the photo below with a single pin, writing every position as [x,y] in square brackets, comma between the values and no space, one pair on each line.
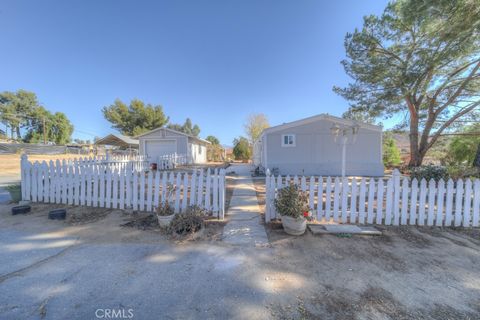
[343,228]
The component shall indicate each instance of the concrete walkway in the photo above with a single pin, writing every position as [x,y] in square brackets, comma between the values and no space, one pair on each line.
[244,226]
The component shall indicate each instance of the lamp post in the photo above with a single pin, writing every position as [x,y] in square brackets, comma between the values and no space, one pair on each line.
[344,133]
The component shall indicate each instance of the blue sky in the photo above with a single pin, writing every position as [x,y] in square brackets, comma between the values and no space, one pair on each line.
[213,61]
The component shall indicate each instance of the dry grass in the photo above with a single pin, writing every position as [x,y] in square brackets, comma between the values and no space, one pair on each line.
[10,163]
[229,186]
[259,185]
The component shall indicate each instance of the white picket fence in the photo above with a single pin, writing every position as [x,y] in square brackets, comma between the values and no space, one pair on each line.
[170,161]
[92,184]
[396,201]
[134,163]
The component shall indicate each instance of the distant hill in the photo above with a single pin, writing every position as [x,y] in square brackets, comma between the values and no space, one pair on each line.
[402,140]
[433,156]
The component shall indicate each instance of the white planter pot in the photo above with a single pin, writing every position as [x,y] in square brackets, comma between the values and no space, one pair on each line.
[294,227]
[164,221]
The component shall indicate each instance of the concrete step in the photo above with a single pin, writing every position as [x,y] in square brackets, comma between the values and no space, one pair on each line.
[343,229]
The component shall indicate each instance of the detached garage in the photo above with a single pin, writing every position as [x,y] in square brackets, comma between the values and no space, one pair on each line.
[164,142]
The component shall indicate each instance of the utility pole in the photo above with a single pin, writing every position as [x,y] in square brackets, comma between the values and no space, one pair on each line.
[44,132]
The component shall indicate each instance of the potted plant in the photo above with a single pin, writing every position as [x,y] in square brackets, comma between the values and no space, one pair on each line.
[292,205]
[166,211]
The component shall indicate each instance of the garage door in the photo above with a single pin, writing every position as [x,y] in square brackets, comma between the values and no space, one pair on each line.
[159,148]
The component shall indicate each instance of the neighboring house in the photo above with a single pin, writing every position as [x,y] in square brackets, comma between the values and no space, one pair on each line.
[308,147]
[118,140]
[115,144]
[163,141]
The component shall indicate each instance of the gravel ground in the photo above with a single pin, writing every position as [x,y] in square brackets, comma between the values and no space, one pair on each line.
[70,269]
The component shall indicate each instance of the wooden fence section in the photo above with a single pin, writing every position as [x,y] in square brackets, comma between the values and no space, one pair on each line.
[395,201]
[95,185]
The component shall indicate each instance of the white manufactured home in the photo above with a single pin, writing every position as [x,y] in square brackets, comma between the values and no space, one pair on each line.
[314,146]
[162,142]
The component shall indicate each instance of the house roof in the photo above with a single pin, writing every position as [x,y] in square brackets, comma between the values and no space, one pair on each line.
[322,116]
[117,140]
[174,131]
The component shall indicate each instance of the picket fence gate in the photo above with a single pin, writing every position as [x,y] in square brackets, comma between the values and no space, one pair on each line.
[95,185]
[395,201]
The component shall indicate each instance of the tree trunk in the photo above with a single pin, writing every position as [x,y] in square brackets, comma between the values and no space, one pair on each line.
[415,156]
[18,132]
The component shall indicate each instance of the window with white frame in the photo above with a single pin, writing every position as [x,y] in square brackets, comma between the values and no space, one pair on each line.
[288,140]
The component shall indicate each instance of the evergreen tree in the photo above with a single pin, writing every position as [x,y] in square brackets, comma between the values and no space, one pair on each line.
[420,58]
[391,153]
[241,149]
[136,118]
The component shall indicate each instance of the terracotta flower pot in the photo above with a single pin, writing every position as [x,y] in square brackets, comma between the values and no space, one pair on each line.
[164,221]
[294,227]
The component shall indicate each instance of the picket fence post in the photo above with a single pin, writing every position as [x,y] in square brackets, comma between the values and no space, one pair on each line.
[221,190]
[185,192]
[320,198]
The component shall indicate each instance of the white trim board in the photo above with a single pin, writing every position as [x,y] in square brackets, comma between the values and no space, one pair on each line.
[321,117]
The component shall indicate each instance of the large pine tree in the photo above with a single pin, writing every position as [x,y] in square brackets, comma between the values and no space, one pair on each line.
[420,59]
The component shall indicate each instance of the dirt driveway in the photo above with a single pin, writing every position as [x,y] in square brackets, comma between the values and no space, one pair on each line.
[59,270]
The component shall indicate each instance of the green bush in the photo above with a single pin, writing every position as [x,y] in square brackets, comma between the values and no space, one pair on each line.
[291,201]
[391,153]
[429,172]
[463,148]
[463,172]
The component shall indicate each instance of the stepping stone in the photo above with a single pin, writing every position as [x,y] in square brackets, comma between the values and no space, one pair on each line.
[343,228]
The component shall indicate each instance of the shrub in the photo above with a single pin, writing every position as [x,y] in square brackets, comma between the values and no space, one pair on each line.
[463,149]
[391,153]
[429,172]
[190,221]
[291,201]
[462,172]
[165,209]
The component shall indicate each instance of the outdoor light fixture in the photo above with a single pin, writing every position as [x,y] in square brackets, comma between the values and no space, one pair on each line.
[335,130]
[355,130]
[345,132]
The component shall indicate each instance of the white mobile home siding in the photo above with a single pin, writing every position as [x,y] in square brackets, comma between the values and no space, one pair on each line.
[316,153]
